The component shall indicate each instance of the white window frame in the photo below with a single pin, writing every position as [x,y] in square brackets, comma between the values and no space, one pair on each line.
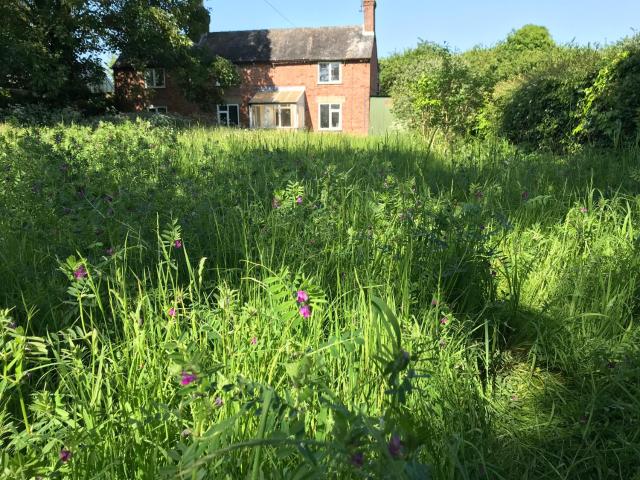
[154,74]
[330,129]
[226,106]
[330,82]
[157,109]
[292,109]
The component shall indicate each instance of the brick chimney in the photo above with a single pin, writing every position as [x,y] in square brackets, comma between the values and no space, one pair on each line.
[369,8]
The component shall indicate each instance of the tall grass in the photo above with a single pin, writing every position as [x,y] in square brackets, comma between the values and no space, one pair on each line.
[472,308]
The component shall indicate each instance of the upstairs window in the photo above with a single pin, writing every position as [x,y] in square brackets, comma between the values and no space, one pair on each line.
[154,78]
[228,115]
[330,116]
[330,72]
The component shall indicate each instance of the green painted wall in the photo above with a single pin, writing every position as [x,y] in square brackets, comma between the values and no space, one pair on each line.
[381,119]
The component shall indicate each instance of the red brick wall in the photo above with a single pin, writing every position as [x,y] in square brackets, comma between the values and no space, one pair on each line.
[356,88]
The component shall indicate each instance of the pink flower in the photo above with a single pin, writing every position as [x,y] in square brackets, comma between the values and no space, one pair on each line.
[65,455]
[187,378]
[434,302]
[254,341]
[584,210]
[219,401]
[80,272]
[357,459]
[395,446]
[177,244]
[299,200]
[305,311]
[444,321]
[172,312]
[302,296]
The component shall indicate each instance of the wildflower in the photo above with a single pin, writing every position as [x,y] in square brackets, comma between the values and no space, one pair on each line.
[80,272]
[65,455]
[584,210]
[187,378]
[299,200]
[219,401]
[254,341]
[444,321]
[275,203]
[525,195]
[172,312]
[302,296]
[434,302]
[357,459]
[305,311]
[177,244]
[395,446]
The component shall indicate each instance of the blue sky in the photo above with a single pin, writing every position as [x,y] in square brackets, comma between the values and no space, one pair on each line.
[460,23]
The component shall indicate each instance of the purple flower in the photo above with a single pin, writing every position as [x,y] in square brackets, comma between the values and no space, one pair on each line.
[177,244]
[299,200]
[80,272]
[219,401]
[302,296]
[395,446]
[357,459]
[187,378]
[525,195]
[254,341]
[444,321]
[65,455]
[305,311]
[172,312]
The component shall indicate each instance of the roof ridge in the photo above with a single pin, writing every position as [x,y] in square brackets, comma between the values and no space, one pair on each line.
[284,29]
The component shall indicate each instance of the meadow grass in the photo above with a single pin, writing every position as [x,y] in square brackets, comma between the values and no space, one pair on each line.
[472,308]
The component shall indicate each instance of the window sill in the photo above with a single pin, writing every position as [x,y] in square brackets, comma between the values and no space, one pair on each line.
[329,83]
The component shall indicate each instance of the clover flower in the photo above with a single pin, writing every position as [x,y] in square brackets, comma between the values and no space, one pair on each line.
[187,378]
[177,244]
[172,312]
[65,455]
[305,311]
[302,296]
[80,272]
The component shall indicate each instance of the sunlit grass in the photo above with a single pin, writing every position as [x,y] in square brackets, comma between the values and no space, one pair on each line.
[472,303]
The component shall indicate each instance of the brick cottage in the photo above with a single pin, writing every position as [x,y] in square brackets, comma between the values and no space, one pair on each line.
[320,79]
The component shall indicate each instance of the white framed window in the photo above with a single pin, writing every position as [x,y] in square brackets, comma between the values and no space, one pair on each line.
[157,109]
[330,72]
[330,116]
[229,115]
[154,78]
[284,116]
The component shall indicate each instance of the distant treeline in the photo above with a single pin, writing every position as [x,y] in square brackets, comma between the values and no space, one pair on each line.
[527,89]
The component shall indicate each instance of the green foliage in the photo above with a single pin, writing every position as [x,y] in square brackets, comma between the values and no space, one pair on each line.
[471,309]
[437,91]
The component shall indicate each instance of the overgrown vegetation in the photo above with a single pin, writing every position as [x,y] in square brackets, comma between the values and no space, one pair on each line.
[526,89]
[227,304]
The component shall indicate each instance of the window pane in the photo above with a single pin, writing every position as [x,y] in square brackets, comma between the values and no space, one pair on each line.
[335,119]
[148,77]
[161,109]
[324,116]
[285,117]
[324,72]
[159,77]
[223,118]
[335,72]
[335,106]
[234,115]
